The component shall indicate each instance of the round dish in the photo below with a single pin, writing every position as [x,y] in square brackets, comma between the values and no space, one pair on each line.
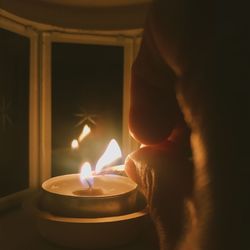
[117,197]
[89,233]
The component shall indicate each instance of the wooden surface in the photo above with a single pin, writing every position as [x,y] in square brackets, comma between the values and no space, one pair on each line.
[18,232]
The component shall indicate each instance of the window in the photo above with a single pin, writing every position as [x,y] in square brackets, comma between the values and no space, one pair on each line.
[52,82]
[18,112]
[87,89]
[84,76]
[14,112]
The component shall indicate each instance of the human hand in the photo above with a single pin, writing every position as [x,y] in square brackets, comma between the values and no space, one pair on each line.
[164,176]
[194,63]
[163,168]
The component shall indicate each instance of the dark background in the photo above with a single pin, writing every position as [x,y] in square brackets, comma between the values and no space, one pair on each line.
[86,80]
[14,112]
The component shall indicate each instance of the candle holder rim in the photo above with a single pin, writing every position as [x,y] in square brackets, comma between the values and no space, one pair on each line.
[102,196]
[86,197]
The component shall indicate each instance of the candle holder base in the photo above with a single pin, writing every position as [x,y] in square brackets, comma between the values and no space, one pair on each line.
[89,233]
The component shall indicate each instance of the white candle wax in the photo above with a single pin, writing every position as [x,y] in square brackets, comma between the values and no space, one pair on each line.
[110,185]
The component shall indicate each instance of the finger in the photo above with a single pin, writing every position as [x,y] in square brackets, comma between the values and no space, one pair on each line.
[160,170]
[131,171]
[154,110]
[165,177]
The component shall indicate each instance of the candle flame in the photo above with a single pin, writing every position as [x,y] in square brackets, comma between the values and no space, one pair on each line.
[86,176]
[112,153]
[85,131]
[74,144]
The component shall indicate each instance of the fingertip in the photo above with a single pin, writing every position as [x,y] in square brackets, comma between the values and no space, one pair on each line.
[131,170]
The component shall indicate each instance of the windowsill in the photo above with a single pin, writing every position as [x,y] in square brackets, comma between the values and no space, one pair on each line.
[18,232]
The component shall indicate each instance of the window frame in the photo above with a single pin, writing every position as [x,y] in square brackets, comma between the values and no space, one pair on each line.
[32,35]
[41,36]
[130,46]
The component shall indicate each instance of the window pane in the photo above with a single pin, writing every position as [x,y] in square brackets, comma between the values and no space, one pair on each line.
[14,112]
[87,86]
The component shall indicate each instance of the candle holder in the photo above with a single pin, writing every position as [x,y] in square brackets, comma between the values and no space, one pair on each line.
[72,232]
[74,210]
[111,195]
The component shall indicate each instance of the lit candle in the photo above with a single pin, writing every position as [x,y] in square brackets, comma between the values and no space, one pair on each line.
[86,177]
[90,193]
[88,180]
[110,195]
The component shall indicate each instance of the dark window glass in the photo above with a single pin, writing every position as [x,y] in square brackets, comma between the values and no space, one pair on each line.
[14,112]
[87,87]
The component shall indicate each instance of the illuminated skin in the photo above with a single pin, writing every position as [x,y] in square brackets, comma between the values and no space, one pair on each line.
[194,63]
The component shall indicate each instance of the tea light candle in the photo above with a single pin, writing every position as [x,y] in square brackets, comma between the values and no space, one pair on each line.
[90,193]
[108,185]
[109,195]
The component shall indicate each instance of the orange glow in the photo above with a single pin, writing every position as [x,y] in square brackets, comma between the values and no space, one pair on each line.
[85,131]
[112,153]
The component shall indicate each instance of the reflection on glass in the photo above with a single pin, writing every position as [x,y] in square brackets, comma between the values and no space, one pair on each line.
[14,112]
[87,86]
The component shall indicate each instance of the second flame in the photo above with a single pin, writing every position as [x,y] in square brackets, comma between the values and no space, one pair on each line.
[112,153]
